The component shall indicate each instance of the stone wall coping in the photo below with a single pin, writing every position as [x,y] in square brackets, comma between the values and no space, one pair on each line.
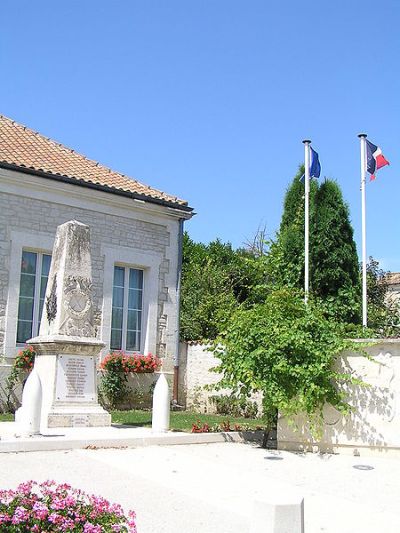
[380,340]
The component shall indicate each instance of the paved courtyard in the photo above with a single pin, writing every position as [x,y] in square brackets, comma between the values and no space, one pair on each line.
[209,488]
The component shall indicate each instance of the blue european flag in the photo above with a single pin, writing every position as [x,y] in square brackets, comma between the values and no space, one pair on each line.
[315,167]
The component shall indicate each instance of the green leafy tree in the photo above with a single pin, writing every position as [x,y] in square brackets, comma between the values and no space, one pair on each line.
[206,294]
[286,258]
[334,262]
[216,280]
[334,252]
[333,258]
[286,350]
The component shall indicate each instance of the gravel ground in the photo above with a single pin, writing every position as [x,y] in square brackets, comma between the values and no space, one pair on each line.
[210,488]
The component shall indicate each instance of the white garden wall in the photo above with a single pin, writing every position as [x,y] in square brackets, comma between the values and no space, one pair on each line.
[374,424]
[196,362]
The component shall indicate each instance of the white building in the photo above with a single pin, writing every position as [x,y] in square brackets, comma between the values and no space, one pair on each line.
[135,238]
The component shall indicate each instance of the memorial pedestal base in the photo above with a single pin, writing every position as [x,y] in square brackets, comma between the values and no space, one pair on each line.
[70,417]
[67,372]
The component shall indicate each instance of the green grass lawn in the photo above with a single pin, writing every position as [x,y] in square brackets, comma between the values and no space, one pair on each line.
[180,420]
[183,420]
[6,417]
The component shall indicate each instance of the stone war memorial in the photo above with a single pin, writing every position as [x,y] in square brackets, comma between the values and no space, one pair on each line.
[62,388]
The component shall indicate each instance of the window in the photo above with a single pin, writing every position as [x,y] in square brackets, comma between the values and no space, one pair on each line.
[127,306]
[33,281]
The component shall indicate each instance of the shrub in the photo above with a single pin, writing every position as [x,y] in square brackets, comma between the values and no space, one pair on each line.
[234,406]
[51,507]
[286,350]
[115,369]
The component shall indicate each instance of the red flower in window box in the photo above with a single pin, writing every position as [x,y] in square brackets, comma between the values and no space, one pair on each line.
[130,363]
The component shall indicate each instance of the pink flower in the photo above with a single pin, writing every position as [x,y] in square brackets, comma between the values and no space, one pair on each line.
[67,524]
[41,507]
[4,518]
[40,511]
[55,518]
[20,515]
[90,528]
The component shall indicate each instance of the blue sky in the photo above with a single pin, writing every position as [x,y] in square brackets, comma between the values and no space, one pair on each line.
[210,100]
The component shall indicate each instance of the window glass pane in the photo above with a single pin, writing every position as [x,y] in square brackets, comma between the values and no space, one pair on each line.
[116,339]
[46,260]
[135,299]
[119,277]
[126,309]
[25,309]
[116,320]
[133,320]
[41,303]
[24,331]
[118,297]
[43,285]
[28,262]
[27,286]
[30,310]
[135,278]
[132,341]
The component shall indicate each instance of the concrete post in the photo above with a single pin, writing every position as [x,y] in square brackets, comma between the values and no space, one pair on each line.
[28,416]
[161,405]
[278,514]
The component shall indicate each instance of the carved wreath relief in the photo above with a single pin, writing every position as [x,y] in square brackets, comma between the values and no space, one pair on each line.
[78,307]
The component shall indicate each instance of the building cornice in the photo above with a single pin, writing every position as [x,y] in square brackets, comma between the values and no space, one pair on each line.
[24,183]
[181,211]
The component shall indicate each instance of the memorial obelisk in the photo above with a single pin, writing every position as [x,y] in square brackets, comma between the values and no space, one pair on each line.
[67,347]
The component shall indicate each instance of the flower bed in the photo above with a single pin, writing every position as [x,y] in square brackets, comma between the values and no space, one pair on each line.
[115,369]
[135,363]
[51,507]
[223,427]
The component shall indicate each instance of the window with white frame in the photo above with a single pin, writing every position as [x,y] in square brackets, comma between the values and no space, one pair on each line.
[35,268]
[127,307]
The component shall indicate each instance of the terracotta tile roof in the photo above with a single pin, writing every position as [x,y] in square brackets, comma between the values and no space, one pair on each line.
[27,149]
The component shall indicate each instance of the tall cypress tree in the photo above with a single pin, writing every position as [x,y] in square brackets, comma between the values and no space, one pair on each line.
[287,252]
[334,272]
[333,255]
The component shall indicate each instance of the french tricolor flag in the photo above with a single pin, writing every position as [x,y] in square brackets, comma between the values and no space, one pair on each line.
[375,159]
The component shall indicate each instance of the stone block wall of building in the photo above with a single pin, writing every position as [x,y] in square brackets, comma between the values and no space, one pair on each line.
[119,228]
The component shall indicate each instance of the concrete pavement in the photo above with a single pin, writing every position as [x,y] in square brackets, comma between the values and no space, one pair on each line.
[210,488]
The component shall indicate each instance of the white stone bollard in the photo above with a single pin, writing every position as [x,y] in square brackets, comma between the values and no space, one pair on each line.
[161,405]
[278,514]
[28,415]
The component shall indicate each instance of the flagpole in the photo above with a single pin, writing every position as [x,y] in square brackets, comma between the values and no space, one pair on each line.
[306,216]
[363,137]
